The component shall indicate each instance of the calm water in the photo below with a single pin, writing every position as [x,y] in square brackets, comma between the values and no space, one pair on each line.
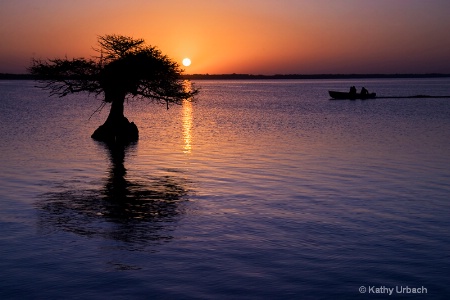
[259,190]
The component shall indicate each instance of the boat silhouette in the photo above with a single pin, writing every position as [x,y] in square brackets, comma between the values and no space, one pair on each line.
[350,96]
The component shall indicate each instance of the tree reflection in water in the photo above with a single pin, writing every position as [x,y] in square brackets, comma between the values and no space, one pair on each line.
[136,213]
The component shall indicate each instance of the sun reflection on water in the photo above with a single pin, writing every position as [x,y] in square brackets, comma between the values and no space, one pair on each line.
[187,120]
[187,126]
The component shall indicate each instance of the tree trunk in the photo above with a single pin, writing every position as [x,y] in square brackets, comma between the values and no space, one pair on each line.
[116,129]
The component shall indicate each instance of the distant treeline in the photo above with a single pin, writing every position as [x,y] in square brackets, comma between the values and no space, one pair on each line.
[310,76]
[6,76]
[16,76]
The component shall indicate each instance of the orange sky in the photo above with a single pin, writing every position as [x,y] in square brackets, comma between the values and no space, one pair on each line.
[239,36]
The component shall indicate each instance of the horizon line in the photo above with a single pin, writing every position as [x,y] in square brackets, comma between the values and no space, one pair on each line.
[199,76]
[316,76]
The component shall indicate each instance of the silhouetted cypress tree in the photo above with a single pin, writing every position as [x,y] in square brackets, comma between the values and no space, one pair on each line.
[125,67]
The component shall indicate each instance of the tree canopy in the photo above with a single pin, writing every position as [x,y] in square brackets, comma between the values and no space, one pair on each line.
[125,66]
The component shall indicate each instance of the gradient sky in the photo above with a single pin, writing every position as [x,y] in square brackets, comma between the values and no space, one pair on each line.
[239,36]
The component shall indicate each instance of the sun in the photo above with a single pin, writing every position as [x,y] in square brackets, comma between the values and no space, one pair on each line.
[186,62]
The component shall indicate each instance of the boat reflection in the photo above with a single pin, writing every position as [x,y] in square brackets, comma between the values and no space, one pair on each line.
[134,212]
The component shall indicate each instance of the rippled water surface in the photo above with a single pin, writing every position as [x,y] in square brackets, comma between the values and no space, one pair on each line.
[259,189]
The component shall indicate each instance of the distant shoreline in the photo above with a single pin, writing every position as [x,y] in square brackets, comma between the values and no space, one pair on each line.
[234,76]
[309,76]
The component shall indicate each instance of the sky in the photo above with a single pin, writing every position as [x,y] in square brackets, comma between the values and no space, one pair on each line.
[239,36]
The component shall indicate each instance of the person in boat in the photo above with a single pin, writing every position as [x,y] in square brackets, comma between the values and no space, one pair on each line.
[353,90]
[364,91]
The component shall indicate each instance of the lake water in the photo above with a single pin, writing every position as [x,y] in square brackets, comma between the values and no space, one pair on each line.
[258,190]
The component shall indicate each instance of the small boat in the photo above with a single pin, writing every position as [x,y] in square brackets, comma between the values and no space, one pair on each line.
[350,96]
